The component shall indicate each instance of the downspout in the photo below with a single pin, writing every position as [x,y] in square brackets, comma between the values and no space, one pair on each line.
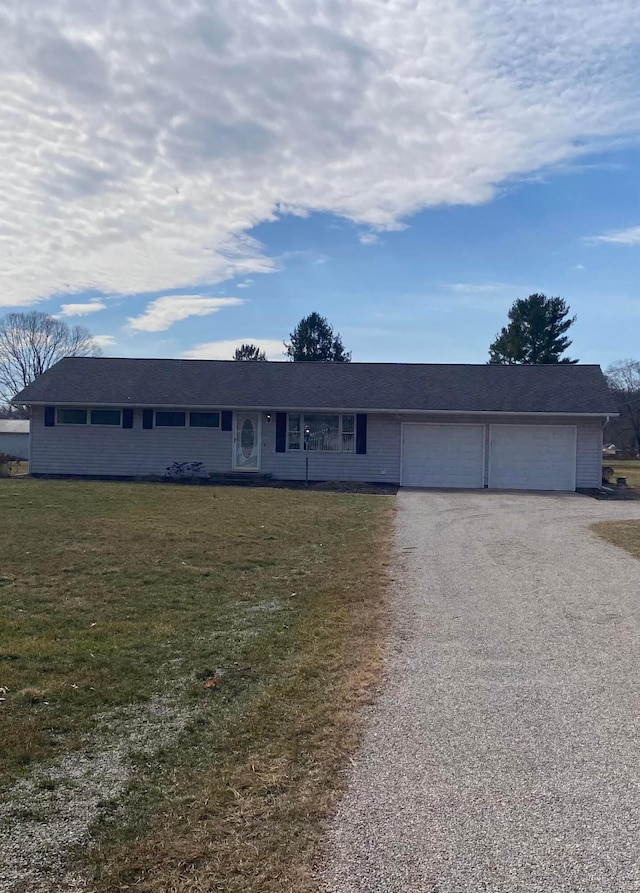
[604,425]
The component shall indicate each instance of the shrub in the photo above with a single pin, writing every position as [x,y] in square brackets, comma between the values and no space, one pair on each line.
[185,471]
[607,474]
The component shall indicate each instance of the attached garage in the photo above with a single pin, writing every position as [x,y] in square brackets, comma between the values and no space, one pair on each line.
[443,455]
[532,457]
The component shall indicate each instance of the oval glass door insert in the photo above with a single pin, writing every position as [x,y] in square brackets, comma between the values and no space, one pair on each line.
[247,438]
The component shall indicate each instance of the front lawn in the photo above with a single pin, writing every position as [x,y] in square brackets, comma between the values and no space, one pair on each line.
[182,668]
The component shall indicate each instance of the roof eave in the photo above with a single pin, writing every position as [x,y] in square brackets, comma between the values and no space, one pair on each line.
[271,407]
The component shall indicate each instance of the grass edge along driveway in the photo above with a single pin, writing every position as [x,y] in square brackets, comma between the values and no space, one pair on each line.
[207,651]
[624,533]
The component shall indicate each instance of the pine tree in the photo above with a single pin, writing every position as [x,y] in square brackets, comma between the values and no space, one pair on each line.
[535,333]
[250,352]
[313,339]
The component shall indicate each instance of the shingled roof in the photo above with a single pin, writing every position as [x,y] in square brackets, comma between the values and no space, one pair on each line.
[368,387]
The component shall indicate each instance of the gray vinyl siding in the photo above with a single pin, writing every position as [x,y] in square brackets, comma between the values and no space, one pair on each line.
[380,464]
[98,450]
[92,450]
[589,454]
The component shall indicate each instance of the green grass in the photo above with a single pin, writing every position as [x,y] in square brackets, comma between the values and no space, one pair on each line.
[253,617]
[628,468]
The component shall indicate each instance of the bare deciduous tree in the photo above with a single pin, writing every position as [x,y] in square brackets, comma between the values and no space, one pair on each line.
[624,380]
[30,343]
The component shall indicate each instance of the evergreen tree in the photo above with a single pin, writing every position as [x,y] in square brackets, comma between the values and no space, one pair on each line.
[250,352]
[535,333]
[313,339]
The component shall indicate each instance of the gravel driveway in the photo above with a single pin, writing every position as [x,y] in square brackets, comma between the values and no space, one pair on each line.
[503,754]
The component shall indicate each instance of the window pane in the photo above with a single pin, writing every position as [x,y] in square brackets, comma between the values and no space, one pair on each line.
[105,417]
[348,424]
[294,423]
[170,419]
[294,440]
[204,419]
[323,432]
[72,416]
[349,443]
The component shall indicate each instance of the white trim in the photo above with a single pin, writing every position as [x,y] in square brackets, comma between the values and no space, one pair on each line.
[543,428]
[271,407]
[444,425]
[234,440]
[303,414]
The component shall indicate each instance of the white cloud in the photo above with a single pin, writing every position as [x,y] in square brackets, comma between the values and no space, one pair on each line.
[224,350]
[368,238]
[630,236]
[163,312]
[246,284]
[81,309]
[141,142]
[474,288]
[104,340]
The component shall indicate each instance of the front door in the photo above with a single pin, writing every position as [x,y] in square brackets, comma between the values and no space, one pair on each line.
[246,441]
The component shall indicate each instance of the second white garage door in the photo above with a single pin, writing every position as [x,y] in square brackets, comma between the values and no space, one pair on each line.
[442,455]
[532,457]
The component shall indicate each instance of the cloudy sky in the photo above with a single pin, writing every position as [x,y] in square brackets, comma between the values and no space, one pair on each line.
[183,175]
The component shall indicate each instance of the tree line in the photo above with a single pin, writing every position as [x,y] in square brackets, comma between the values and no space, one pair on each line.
[535,333]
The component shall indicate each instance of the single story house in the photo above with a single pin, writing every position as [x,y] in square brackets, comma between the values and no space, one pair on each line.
[14,438]
[417,425]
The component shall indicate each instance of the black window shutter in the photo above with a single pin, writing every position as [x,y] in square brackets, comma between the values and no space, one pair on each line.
[49,416]
[127,418]
[227,420]
[281,432]
[361,433]
[147,418]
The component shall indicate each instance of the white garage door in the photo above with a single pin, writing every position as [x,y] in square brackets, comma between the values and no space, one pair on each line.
[442,455]
[532,457]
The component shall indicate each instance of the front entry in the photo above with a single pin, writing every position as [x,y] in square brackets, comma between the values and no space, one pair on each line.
[246,441]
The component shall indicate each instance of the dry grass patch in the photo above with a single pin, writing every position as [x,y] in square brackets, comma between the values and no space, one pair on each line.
[625,468]
[625,534]
[213,646]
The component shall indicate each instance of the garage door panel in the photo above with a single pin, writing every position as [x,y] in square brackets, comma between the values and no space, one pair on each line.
[529,457]
[443,456]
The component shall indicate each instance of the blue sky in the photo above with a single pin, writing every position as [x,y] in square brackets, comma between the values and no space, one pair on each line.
[181,180]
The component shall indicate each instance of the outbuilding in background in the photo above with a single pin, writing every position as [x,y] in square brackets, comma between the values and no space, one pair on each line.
[14,438]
